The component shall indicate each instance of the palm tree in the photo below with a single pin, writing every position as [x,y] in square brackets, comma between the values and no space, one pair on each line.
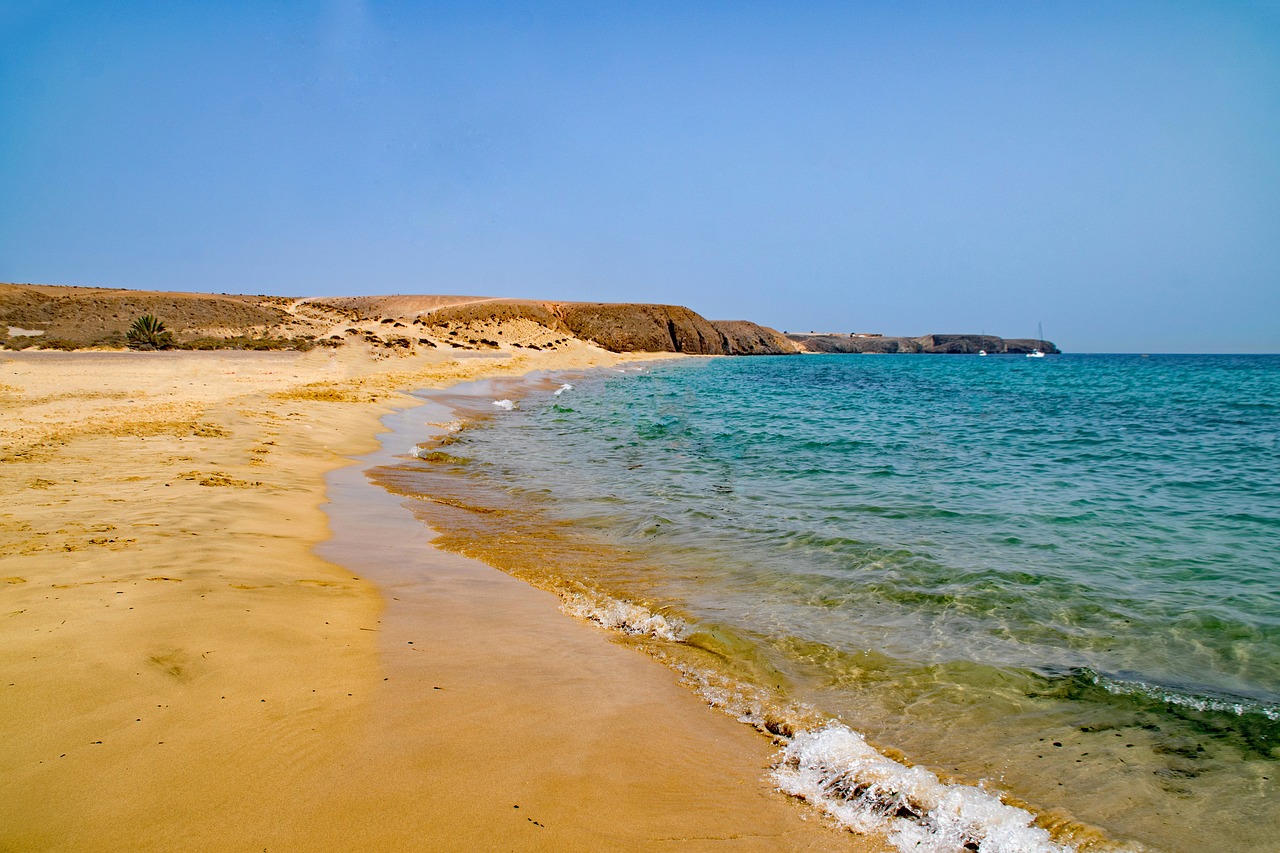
[147,332]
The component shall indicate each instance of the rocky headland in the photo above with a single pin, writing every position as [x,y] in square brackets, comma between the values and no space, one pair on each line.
[69,318]
[934,344]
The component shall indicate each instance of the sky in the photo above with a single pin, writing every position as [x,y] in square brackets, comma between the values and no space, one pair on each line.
[1109,169]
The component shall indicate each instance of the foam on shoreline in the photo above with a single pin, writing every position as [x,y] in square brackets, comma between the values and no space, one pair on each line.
[623,616]
[832,767]
[835,769]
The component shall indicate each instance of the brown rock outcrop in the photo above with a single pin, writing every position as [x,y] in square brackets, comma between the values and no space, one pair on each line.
[643,328]
[743,337]
[624,327]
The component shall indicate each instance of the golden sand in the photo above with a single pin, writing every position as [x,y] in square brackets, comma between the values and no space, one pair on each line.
[179,670]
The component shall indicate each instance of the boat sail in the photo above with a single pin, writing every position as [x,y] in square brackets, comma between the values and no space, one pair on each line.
[1038,352]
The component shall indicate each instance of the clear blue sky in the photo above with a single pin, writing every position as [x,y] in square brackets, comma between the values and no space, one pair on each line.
[1111,169]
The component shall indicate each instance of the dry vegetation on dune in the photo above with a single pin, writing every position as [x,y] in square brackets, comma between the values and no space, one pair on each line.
[52,317]
[78,317]
[377,307]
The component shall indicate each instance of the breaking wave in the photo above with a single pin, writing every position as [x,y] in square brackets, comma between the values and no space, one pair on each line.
[832,767]
[623,616]
[836,770]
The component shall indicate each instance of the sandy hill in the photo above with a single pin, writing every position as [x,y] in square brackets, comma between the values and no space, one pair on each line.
[60,317]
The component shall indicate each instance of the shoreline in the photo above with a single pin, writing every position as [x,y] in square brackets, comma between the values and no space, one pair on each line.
[606,749]
[672,505]
[596,581]
[183,669]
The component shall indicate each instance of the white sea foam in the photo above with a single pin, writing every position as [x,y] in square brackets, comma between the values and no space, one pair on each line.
[748,703]
[835,769]
[622,616]
[505,405]
[565,387]
[447,426]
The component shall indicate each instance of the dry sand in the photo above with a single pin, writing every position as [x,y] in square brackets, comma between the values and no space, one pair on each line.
[180,670]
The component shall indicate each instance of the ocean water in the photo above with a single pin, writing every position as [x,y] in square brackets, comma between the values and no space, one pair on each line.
[1015,604]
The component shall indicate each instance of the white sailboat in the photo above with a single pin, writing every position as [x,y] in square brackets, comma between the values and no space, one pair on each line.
[1038,352]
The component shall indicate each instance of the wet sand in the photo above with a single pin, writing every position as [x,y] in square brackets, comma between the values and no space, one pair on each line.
[182,670]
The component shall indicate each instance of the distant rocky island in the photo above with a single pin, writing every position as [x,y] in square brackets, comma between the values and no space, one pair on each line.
[937,344]
[69,318]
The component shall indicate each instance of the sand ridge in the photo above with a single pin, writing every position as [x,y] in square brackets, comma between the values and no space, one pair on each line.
[179,669]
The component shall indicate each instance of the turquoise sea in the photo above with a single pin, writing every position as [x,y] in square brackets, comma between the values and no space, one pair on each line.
[1041,588]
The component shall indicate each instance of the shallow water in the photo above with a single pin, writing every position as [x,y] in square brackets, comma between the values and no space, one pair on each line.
[1055,576]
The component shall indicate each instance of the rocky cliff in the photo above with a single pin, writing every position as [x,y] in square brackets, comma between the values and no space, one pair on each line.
[625,327]
[669,328]
[743,337]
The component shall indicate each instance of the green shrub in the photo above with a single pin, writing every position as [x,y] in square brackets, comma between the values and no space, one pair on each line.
[148,332]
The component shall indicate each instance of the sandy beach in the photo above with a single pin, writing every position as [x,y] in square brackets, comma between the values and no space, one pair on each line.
[182,669]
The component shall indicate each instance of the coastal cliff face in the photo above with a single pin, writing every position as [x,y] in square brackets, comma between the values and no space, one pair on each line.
[74,317]
[670,328]
[625,327]
[746,338]
[945,344]
[648,328]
